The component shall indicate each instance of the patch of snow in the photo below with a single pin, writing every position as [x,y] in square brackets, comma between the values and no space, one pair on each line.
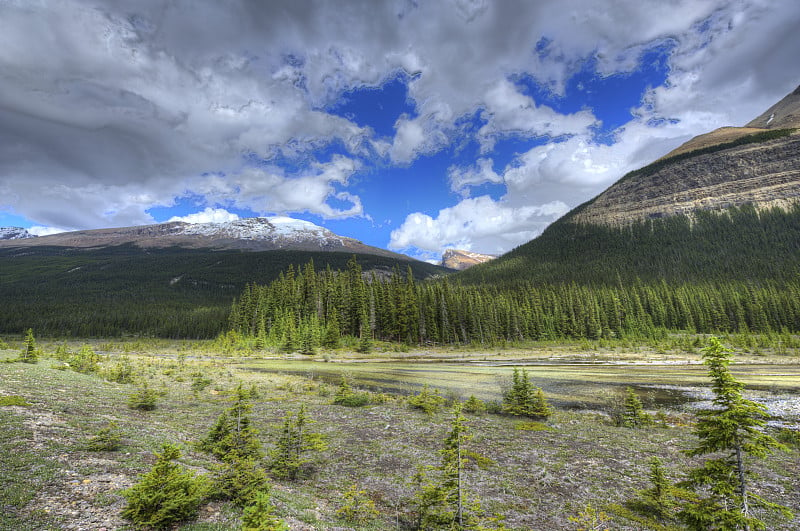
[276,229]
[771,117]
[15,233]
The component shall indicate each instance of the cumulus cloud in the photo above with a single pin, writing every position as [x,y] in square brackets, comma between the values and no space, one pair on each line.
[209,215]
[475,224]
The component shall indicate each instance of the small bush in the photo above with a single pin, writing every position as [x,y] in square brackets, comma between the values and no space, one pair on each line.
[143,399]
[358,508]
[108,439]
[428,401]
[474,405]
[166,495]
[84,361]
[260,515]
[345,396]
[789,437]
[121,372]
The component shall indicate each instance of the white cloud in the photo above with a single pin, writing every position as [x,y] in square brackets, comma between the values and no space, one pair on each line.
[209,215]
[475,224]
[38,230]
[462,178]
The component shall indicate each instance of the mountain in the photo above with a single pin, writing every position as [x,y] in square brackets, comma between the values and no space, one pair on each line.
[166,280]
[14,233]
[250,234]
[724,206]
[460,260]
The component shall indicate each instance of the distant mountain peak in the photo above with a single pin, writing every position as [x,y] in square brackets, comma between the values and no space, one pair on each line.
[459,259]
[248,234]
[15,233]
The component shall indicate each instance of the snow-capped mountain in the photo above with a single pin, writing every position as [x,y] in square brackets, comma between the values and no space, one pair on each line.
[253,234]
[15,233]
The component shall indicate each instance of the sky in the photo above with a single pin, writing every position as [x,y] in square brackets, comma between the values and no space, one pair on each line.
[415,126]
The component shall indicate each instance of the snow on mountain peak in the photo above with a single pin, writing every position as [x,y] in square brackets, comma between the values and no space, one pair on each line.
[14,233]
[270,229]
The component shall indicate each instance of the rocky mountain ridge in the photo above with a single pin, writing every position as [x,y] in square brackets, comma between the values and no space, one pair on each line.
[251,234]
[758,164]
[460,260]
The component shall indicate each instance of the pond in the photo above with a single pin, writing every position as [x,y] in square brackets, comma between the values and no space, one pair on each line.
[582,385]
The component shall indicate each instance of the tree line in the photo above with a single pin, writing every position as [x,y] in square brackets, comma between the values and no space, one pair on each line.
[304,308]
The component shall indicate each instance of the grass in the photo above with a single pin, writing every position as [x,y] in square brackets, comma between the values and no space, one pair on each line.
[537,474]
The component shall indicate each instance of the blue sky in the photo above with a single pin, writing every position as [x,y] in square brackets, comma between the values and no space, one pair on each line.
[466,123]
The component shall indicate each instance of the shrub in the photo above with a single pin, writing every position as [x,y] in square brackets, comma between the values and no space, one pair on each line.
[358,507]
[633,414]
[474,405]
[345,396]
[84,361]
[428,401]
[121,372]
[166,495]
[143,399]
[107,439]
[260,515]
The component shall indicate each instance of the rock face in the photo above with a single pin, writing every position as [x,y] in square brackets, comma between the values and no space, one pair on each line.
[15,233]
[765,174]
[253,234]
[461,260]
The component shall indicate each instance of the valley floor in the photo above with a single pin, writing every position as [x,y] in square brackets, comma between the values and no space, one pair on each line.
[537,475]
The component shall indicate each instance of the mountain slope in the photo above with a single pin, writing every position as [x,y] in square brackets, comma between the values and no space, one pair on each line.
[726,211]
[251,234]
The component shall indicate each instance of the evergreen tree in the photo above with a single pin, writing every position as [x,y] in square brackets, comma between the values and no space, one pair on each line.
[232,437]
[166,495]
[294,445]
[633,414]
[524,399]
[29,354]
[442,501]
[732,431]
[260,515]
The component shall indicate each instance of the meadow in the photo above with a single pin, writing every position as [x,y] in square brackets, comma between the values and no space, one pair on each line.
[559,473]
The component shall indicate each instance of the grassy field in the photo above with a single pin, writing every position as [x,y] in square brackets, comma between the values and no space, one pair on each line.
[538,475]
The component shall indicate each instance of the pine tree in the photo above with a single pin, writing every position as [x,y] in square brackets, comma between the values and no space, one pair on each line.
[260,515]
[233,437]
[633,414]
[29,354]
[294,444]
[732,430]
[524,399]
[166,495]
[442,501]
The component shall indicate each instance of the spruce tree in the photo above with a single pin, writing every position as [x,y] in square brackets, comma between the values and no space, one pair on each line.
[294,445]
[29,354]
[166,495]
[633,414]
[733,431]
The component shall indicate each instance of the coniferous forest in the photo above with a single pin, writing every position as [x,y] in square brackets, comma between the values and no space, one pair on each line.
[733,272]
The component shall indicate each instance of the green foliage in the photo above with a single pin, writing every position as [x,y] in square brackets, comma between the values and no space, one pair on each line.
[260,515]
[129,290]
[84,361]
[295,444]
[657,506]
[107,439]
[166,495]
[200,382]
[633,414]
[29,353]
[441,500]
[121,372]
[143,399]
[232,437]
[591,518]
[732,431]
[240,479]
[429,401]
[524,399]
[345,396]
[789,437]
[13,400]
[357,507]
[474,405]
